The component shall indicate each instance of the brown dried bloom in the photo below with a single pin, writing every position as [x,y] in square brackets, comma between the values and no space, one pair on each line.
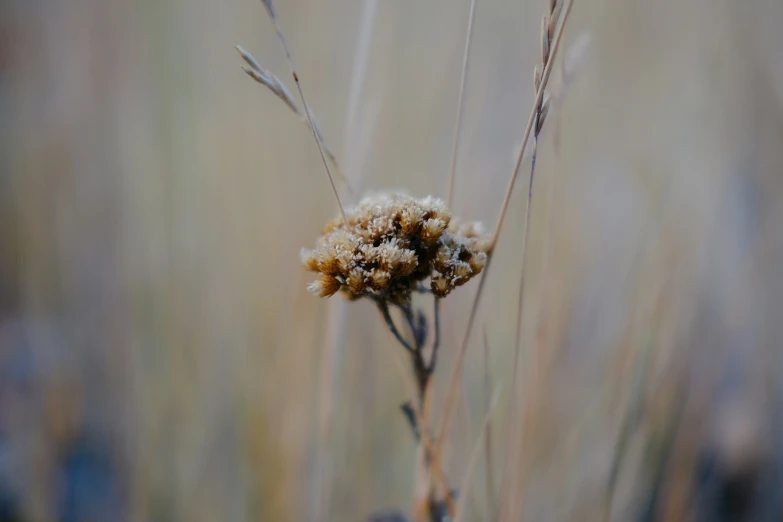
[461,256]
[388,245]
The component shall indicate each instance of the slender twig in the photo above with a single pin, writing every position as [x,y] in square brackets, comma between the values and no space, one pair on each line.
[429,447]
[460,102]
[384,308]
[273,18]
[436,341]
[422,373]
[407,312]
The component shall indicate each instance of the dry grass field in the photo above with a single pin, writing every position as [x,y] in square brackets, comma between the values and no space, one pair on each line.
[162,360]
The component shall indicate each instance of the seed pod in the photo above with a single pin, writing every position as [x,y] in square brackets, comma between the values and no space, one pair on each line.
[544,41]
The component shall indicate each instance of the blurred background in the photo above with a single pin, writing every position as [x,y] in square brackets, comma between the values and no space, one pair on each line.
[161,360]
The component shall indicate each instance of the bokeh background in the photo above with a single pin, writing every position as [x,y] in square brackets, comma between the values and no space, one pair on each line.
[161,360]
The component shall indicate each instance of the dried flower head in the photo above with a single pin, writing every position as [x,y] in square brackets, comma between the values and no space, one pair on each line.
[388,245]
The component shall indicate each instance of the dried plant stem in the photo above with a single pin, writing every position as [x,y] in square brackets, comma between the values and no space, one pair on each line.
[419,386]
[426,438]
[512,440]
[460,103]
[384,308]
[452,395]
[284,45]
[530,123]
[518,442]
[436,341]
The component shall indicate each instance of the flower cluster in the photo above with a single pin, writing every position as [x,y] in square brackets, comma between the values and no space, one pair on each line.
[388,245]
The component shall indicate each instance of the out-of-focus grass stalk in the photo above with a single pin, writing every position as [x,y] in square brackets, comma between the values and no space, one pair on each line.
[456,375]
[336,316]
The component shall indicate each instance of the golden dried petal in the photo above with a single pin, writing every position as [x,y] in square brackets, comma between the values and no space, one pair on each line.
[355,280]
[440,286]
[324,286]
[309,259]
[432,230]
[379,279]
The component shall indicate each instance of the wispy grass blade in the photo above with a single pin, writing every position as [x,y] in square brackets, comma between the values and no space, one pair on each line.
[278,88]
[273,18]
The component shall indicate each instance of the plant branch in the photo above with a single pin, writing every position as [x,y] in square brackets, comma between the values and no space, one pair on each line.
[430,448]
[384,308]
[436,341]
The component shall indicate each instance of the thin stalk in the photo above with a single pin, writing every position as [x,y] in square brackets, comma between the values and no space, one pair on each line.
[419,387]
[508,469]
[384,308]
[426,440]
[273,17]
[517,443]
[460,103]
[436,341]
[530,123]
[451,397]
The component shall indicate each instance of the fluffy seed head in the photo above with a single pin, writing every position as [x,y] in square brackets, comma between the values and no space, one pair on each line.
[389,244]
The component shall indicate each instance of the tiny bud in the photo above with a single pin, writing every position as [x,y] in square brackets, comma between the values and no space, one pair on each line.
[440,286]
